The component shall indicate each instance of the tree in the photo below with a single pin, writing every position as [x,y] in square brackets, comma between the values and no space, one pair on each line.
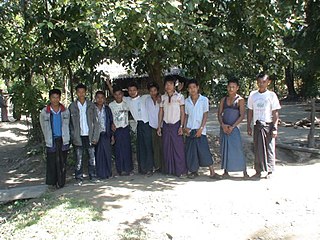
[45,40]
[308,45]
[152,36]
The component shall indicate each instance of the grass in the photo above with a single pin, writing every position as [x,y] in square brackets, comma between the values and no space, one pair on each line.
[47,216]
[134,233]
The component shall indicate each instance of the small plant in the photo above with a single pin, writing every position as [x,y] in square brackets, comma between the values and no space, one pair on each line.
[134,233]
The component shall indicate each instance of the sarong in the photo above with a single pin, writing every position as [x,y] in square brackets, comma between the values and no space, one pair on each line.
[56,165]
[173,150]
[264,147]
[144,147]
[157,150]
[123,152]
[197,152]
[232,157]
[103,156]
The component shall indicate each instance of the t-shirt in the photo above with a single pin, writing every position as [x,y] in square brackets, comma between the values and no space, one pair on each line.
[153,112]
[195,112]
[137,107]
[102,118]
[262,105]
[120,114]
[171,109]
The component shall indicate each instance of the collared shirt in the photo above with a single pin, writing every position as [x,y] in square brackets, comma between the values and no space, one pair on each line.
[137,107]
[102,118]
[120,114]
[56,123]
[84,129]
[195,112]
[262,105]
[153,112]
[171,107]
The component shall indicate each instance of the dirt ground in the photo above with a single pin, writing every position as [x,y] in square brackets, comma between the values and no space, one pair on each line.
[164,207]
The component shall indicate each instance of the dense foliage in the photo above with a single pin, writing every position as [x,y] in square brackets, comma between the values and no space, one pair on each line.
[46,43]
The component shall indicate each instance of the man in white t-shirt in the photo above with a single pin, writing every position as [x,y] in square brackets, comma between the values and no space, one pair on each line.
[121,129]
[137,106]
[263,106]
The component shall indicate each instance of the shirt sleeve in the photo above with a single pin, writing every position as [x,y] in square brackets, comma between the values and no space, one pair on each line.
[275,102]
[205,106]
[181,100]
[125,106]
[186,108]
[250,102]
[145,97]
[162,101]
[126,99]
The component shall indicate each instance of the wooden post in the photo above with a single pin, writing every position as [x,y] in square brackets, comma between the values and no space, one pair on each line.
[311,141]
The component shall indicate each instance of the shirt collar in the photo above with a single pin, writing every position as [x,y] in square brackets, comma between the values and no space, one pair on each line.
[51,109]
[190,100]
[175,93]
[62,108]
[103,107]
[84,104]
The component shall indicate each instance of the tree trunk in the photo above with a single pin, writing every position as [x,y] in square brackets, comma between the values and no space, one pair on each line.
[70,80]
[65,86]
[289,79]
[311,141]
[155,74]
[33,108]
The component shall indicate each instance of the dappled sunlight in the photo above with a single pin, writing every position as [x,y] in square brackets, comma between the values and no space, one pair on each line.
[21,179]
[11,139]
[13,133]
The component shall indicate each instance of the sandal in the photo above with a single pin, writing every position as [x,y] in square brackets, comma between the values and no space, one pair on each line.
[256,176]
[226,175]
[246,176]
[216,176]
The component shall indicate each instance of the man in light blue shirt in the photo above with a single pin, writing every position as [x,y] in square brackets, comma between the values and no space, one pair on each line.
[197,147]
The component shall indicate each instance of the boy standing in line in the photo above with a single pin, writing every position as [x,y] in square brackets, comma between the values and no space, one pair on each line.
[230,114]
[103,151]
[263,106]
[137,107]
[153,106]
[197,147]
[84,132]
[171,120]
[54,121]
[121,129]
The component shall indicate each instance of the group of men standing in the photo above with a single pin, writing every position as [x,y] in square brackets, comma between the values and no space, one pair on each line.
[171,132]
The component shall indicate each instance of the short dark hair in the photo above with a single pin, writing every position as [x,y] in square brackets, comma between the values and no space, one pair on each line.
[81,85]
[192,81]
[180,79]
[100,92]
[54,91]
[117,89]
[133,84]
[263,76]
[153,84]
[170,78]
[233,80]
